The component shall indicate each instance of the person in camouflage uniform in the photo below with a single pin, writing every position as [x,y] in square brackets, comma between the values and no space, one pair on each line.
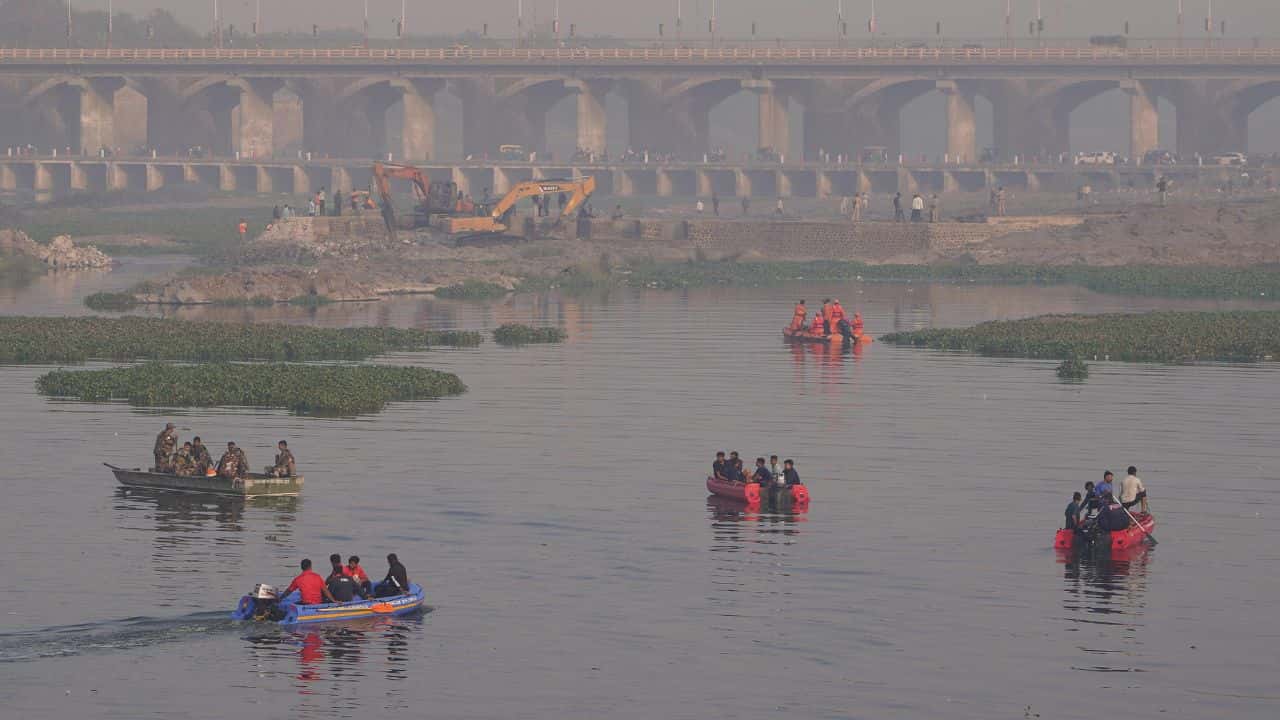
[183,463]
[165,443]
[200,456]
[233,464]
[285,465]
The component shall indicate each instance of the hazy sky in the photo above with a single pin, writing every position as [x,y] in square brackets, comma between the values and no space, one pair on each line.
[1245,18]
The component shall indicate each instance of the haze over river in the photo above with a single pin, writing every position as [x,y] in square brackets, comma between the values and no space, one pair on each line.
[557,516]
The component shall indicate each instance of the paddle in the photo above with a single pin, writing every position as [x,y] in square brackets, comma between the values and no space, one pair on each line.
[1150,537]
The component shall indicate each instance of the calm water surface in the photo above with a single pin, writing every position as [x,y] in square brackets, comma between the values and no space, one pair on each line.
[557,517]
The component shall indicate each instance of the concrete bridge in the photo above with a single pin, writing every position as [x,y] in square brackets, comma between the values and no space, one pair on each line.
[61,175]
[259,103]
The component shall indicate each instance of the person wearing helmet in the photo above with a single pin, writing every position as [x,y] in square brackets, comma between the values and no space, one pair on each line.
[200,456]
[166,441]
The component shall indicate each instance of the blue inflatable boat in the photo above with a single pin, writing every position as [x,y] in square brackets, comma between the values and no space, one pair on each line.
[288,611]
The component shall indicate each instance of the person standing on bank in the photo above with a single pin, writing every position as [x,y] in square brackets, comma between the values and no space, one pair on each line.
[917,208]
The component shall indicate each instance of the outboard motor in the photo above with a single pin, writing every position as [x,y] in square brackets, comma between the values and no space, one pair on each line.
[266,602]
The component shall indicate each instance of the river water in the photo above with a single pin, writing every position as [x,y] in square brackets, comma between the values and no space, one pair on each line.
[557,516]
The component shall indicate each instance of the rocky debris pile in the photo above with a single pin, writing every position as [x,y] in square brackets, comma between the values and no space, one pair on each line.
[60,253]
[317,238]
[261,285]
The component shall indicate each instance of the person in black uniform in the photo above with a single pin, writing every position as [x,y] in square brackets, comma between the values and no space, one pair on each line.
[789,472]
[397,580]
[718,468]
[341,585]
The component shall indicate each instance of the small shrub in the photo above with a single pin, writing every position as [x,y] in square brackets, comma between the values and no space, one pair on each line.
[111,301]
[517,334]
[1073,368]
[472,290]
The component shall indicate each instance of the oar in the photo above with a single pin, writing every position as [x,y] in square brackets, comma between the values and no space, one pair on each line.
[1150,537]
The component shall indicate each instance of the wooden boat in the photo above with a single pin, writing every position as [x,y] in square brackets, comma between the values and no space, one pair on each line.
[1120,539]
[804,336]
[751,492]
[255,485]
[291,612]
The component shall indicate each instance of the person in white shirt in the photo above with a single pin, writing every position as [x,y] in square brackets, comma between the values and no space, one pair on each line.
[1132,491]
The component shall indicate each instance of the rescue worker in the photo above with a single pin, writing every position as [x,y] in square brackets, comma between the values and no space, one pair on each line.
[837,315]
[397,580]
[233,465]
[1132,491]
[341,585]
[719,468]
[826,314]
[762,474]
[285,465]
[163,450]
[819,326]
[857,324]
[183,464]
[798,317]
[200,456]
[310,586]
[357,572]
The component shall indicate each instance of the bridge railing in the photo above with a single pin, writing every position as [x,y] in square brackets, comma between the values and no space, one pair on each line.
[656,55]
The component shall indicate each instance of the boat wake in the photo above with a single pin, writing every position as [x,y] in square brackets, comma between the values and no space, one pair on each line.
[109,636]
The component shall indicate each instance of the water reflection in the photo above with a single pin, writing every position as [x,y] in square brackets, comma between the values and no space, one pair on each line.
[183,523]
[328,660]
[1105,595]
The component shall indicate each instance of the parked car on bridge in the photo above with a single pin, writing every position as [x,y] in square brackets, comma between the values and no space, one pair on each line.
[1159,157]
[1231,158]
[875,154]
[1099,157]
[513,153]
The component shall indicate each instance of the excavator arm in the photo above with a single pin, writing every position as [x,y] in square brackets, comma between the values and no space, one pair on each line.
[382,172]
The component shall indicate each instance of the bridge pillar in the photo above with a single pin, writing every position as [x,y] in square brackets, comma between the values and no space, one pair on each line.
[1207,123]
[88,111]
[1144,120]
[479,116]
[773,128]
[592,119]
[243,117]
[962,126]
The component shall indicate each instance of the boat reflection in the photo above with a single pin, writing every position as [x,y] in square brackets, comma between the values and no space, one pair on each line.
[732,520]
[319,661]
[1105,598]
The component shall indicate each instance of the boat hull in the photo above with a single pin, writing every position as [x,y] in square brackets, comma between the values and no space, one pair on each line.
[298,614]
[751,493]
[254,485]
[804,336]
[1120,539]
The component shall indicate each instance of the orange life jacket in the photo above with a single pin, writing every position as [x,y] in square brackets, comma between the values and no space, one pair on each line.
[797,320]
[837,314]
[826,313]
[857,324]
[819,326]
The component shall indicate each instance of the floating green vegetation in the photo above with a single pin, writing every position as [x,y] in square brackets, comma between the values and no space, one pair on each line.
[26,340]
[311,300]
[472,290]
[1073,369]
[1261,282]
[303,389]
[111,301]
[1169,337]
[517,334]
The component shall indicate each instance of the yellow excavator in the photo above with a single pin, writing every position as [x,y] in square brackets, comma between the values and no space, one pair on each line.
[498,219]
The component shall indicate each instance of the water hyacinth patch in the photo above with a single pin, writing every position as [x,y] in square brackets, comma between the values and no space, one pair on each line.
[111,301]
[1073,368]
[1166,337]
[518,334]
[303,389]
[27,340]
[472,290]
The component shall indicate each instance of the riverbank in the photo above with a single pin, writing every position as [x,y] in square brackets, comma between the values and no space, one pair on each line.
[1163,337]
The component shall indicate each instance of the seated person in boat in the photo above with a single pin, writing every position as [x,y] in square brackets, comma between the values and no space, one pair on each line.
[797,317]
[775,469]
[183,463]
[789,474]
[233,464]
[285,465]
[734,468]
[1091,499]
[356,571]
[166,441]
[1106,487]
[310,586]
[762,474]
[719,468]
[1132,491]
[342,587]
[397,580]
[1113,516]
[1073,513]
[200,455]
[819,325]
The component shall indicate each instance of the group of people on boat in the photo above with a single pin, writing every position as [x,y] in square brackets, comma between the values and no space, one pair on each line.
[1106,506]
[193,458]
[732,469]
[828,319]
[347,582]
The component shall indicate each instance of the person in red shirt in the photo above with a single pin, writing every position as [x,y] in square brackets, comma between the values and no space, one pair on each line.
[310,586]
[357,572]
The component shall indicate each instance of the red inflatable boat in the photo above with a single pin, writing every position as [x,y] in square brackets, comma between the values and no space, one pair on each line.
[1120,539]
[750,492]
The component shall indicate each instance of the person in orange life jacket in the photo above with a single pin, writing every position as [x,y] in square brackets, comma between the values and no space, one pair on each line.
[857,324]
[719,468]
[341,585]
[357,572]
[797,318]
[826,313]
[837,314]
[819,326]
[762,474]
[310,586]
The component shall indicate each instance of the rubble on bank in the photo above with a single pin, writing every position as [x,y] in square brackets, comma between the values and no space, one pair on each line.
[61,253]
